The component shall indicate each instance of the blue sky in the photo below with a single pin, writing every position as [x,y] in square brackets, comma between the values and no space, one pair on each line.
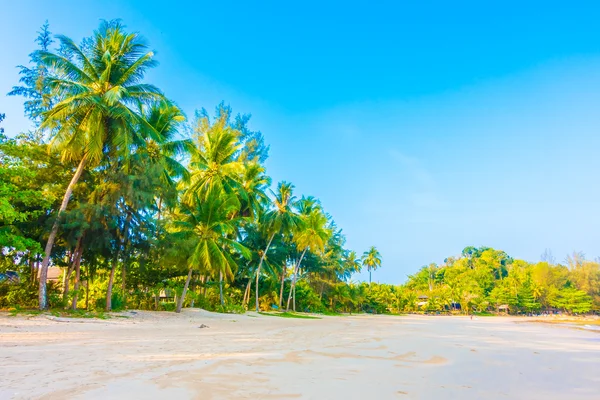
[423,128]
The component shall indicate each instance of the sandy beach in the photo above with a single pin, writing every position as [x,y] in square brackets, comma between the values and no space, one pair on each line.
[167,356]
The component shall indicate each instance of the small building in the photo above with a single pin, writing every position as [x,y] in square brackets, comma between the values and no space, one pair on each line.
[55,274]
[166,295]
[503,308]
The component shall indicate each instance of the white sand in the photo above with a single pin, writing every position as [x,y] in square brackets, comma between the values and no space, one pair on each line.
[166,356]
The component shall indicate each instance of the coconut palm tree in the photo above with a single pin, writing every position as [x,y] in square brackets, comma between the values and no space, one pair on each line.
[252,193]
[215,164]
[280,219]
[351,262]
[208,223]
[162,158]
[98,91]
[312,235]
[372,260]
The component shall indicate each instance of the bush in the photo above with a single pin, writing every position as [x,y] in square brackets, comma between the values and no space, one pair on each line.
[117,302]
[167,306]
[230,309]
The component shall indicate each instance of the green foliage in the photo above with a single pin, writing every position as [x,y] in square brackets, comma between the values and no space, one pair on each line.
[230,309]
[167,306]
[573,300]
[22,295]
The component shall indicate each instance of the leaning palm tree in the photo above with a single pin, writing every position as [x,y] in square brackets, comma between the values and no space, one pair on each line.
[208,223]
[372,260]
[281,219]
[312,235]
[98,89]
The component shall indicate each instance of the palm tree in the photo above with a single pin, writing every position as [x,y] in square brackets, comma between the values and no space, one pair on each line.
[215,165]
[252,193]
[352,262]
[372,260]
[161,158]
[98,91]
[312,235]
[281,219]
[208,223]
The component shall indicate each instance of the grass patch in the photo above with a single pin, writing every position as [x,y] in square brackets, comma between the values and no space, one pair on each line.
[288,315]
[484,314]
[16,311]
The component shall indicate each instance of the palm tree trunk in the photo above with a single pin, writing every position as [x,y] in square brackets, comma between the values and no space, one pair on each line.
[185,287]
[293,287]
[283,272]
[221,287]
[43,271]
[262,258]
[247,292]
[369,276]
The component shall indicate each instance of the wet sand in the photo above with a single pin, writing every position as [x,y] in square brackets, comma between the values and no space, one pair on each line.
[167,356]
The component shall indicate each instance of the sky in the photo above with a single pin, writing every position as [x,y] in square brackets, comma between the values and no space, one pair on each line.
[423,128]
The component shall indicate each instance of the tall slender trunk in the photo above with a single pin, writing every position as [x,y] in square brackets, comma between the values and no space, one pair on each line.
[121,245]
[283,272]
[123,279]
[293,287]
[43,271]
[369,276]
[111,280]
[294,299]
[185,287]
[247,292]
[67,273]
[76,255]
[87,289]
[262,258]
[77,276]
[221,287]
[124,243]
[204,281]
